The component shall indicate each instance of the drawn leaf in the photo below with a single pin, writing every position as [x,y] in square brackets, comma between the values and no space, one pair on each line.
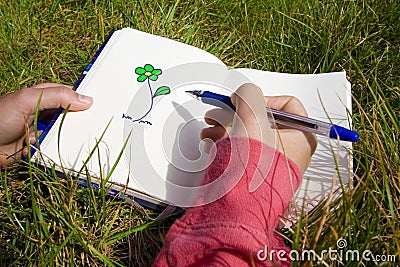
[163,90]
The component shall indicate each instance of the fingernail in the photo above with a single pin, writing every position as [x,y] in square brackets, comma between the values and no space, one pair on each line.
[25,152]
[85,99]
[32,139]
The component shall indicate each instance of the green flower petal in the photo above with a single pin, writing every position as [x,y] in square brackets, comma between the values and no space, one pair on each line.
[140,71]
[156,72]
[142,78]
[153,77]
[148,67]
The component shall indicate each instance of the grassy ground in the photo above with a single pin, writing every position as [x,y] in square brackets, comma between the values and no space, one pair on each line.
[47,221]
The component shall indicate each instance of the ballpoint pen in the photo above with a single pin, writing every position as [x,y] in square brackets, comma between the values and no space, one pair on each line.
[284,118]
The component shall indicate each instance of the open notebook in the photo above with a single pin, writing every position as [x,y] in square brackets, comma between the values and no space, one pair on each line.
[138,82]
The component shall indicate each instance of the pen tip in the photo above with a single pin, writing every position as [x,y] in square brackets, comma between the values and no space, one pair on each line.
[194,93]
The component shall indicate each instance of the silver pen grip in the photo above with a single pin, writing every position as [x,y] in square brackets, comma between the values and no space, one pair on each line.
[300,122]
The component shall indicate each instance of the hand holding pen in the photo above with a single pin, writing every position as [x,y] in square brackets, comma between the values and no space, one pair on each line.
[250,120]
[281,117]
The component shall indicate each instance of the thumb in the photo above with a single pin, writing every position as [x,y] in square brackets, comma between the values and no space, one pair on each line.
[54,96]
[251,118]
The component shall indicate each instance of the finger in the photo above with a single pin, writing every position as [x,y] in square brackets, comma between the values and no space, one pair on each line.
[49,85]
[289,136]
[286,103]
[53,97]
[25,151]
[214,133]
[219,116]
[10,153]
[32,137]
[207,145]
[251,118]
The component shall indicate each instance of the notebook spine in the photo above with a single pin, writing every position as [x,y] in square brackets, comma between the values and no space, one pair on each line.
[48,125]
[89,66]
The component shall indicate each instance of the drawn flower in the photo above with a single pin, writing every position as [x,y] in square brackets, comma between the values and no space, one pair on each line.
[147,72]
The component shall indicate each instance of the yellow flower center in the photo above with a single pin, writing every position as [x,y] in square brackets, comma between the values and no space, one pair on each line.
[148,73]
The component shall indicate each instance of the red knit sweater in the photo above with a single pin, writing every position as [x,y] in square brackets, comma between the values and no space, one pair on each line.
[239,228]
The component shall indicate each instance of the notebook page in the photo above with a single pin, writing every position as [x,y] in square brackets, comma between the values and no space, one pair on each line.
[113,82]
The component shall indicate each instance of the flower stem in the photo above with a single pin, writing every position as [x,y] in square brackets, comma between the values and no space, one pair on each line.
[151,105]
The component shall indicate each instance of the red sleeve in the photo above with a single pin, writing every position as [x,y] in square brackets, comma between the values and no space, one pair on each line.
[232,230]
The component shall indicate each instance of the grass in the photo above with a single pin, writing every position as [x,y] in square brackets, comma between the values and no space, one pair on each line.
[49,221]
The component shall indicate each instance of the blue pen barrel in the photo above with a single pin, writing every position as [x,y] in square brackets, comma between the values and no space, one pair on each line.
[343,134]
[217,100]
